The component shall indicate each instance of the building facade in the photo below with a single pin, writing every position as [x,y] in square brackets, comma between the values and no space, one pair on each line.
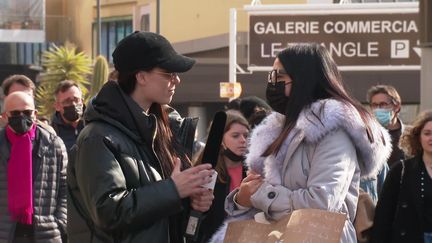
[199,29]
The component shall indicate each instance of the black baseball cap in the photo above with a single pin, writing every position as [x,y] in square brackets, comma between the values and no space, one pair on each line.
[146,50]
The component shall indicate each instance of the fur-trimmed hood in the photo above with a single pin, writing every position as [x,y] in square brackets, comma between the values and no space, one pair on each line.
[332,115]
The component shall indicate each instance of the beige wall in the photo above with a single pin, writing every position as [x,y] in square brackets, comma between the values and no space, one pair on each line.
[194,19]
[180,21]
[55,20]
[70,21]
[186,19]
[80,12]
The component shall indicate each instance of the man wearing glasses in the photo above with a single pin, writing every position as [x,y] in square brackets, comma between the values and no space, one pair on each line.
[385,103]
[67,120]
[32,177]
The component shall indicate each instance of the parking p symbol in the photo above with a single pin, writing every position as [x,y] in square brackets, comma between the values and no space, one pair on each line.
[400,49]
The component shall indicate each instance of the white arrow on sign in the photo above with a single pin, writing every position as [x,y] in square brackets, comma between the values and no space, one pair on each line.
[417,50]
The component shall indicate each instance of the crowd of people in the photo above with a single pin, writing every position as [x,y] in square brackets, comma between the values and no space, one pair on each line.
[126,167]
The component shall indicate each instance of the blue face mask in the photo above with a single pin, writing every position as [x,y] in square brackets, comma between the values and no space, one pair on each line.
[383,116]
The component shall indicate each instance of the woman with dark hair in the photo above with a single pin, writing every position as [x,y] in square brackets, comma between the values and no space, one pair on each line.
[404,209]
[230,168]
[132,180]
[311,152]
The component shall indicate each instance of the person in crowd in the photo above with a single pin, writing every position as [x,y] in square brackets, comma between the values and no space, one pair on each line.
[249,105]
[310,152]
[404,209]
[67,120]
[131,179]
[233,104]
[253,108]
[22,83]
[230,168]
[18,82]
[14,83]
[385,103]
[32,178]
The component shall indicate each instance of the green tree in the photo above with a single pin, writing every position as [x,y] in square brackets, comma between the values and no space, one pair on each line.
[61,63]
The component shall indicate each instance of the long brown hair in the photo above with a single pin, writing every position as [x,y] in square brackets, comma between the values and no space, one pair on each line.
[410,139]
[315,76]
[233,117]
[166,146]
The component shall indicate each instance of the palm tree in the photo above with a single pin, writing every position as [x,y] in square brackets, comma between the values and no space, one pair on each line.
[61,63]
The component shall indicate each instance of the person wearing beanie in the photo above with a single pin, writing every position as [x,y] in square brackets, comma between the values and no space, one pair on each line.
[253,108]
[251,104]
[132,179]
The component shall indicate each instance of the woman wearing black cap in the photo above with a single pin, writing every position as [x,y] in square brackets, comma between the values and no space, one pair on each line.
[311,152]
[131,180]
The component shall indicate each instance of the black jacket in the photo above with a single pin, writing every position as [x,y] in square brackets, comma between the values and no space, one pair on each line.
[49,188]
[399,211]
[66,132]
[116,193]
[216,215]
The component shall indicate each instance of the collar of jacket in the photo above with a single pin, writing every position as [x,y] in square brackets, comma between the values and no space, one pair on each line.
[183,129]
[113,106]
[332,115]
[57,120]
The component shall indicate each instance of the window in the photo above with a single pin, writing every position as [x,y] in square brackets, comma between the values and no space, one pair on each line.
[29,53]
[112,31]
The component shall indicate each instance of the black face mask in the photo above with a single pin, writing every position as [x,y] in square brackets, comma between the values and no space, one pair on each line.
[20,124]
[276,97]
[73,112]
[232,156]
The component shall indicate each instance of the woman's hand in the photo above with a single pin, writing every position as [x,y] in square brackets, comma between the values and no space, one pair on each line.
[202,202]
[190,181]
[248,187]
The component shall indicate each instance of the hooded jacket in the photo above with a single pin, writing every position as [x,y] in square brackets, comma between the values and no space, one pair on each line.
[318,165]
[117,192]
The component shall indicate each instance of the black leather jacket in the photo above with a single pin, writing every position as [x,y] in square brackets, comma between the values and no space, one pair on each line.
[116,193]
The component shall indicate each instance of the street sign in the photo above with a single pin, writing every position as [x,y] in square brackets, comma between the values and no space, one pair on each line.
[362,39]
[230,90]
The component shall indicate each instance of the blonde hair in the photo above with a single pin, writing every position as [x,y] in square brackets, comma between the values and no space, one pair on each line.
[410,140]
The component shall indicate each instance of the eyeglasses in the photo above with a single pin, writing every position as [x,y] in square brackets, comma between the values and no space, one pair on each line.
[173,76]
[71,101]
[274,74]
[15,113]
[384,105]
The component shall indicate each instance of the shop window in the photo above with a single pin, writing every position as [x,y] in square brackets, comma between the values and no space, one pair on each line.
[111,33]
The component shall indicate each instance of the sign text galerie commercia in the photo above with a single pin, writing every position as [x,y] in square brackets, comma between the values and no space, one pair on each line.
[353,40]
